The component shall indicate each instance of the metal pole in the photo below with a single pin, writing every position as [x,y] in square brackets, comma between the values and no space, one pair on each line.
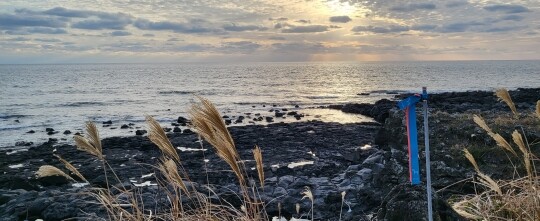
[428,165]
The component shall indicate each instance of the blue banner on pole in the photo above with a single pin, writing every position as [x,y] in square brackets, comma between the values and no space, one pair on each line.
[409,105]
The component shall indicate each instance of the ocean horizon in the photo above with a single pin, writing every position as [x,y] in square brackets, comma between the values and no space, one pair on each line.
[64,96]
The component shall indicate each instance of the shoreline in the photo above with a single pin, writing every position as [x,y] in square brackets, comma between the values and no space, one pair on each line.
[366,160]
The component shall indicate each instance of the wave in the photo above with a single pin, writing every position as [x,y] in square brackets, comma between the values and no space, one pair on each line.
[321,97]
[389,91]
[8,116]
[177,92]
[83,103]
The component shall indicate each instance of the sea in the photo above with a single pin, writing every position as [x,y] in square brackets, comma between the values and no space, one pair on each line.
[65,96]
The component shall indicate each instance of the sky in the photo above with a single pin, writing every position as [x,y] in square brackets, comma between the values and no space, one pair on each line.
[137,31]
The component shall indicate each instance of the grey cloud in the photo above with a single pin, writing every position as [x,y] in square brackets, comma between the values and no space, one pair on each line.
[144,24]
[303,21]
[238,28]
[36,30]
[101,24]
[510,9]
[381,30]
[64,12]
[340,19]
[47,40]
[120,33]
[454,4]
[278,26]
[149,35]
[239,47]
[277,38]
[15,21]
[278,19]
[18,39]
[413,7]
[423,27]
[306,29]
[295,47]
[460,26]
[512,18]
[505,29]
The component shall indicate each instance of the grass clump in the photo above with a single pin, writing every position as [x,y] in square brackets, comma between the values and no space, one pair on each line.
[504,199]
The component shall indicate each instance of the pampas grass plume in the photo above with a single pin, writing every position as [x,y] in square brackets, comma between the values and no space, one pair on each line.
[503,95]
[48,170]
[90,143]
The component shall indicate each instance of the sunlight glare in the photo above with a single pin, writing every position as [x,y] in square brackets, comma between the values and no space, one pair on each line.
[340,7]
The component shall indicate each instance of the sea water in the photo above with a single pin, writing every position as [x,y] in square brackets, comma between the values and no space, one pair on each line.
[64,96]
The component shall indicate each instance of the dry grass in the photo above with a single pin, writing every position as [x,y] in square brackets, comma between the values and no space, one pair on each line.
[503,95]
[515,199]
[48,170]
[501,142]
[157,135]
[538,109]
[257,155]
[70,167]
[308,194]
[209,124]
[91,143]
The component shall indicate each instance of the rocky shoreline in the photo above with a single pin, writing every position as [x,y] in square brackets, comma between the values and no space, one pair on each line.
[366,160]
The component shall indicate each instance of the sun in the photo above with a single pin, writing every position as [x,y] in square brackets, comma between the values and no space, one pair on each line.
[340,7]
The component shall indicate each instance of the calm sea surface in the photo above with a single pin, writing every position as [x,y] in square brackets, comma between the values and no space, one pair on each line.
[65,96]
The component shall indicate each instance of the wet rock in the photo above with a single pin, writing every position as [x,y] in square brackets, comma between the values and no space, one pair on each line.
[279,114]
[66,132]
[52,132]
[187,131]
[48,129]
[292,113]
[175,124]
[269,119]
[182,120]
[109,122]
[228,121]
[177,130]
[140,132]
[124,126]
[30,132]
[23,143]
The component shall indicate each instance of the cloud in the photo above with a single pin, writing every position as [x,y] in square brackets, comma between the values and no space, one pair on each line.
[413,7]
[15,21]
[303,21]
[454,4]
[298,47]
[278,19]
[64,12]
[145,24]
[238,28]
[381,30]
[47,40]
[115,24]
[305,29]
[149,35]
[340,19]
[120,33]
[36,30]
[510,9]
[242,47]
[277,38]
[459,26]
[505,29]
[512,18]
[18,39]
[423,27]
